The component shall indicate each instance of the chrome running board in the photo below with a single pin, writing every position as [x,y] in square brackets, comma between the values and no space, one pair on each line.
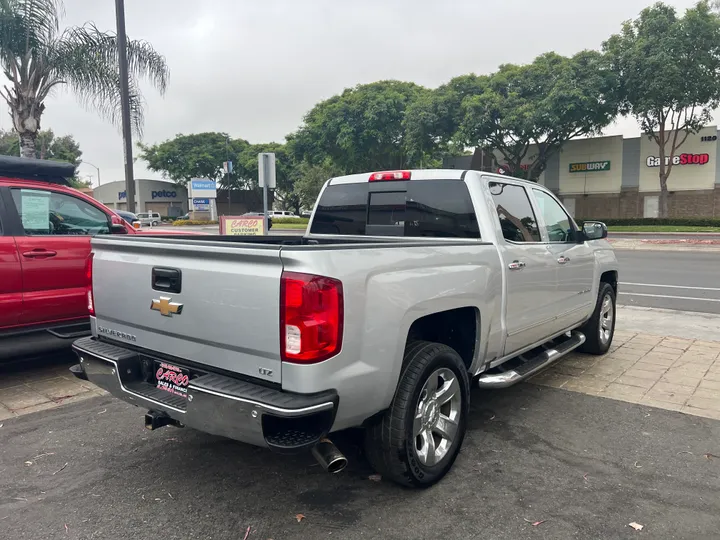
[531,366]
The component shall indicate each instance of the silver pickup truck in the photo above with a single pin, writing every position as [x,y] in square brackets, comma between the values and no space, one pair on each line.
[408,288]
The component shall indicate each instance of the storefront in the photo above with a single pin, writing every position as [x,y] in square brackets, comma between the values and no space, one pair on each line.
[616,177]
[165,198]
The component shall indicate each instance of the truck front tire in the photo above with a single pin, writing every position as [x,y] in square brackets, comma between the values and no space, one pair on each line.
[600,328]
[418,438]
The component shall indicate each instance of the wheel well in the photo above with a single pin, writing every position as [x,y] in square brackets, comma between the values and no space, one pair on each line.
[610,277]
[456,328]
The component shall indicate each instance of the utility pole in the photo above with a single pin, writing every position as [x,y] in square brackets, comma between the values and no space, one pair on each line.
[125,104]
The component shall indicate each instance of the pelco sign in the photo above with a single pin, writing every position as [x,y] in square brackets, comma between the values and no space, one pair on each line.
[682,159]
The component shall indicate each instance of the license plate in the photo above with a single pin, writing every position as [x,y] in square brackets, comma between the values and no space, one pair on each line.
[172,378]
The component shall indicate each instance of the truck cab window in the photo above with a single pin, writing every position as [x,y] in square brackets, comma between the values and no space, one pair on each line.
[558,226]
[517,219]
[421,208]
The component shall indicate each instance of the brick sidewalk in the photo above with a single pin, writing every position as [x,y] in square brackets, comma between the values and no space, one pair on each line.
[669,373]
[41,389]
[664,372]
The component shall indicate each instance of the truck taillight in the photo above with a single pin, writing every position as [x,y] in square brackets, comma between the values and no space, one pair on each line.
[88,281]
[311,317]
[390,175]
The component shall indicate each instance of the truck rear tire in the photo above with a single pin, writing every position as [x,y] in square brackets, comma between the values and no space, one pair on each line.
[416,441]
[600,328]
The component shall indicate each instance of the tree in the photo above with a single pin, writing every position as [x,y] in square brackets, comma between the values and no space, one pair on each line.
[433,120]
[48,146]
[361,129]
[308,180]
[200,155]
[529,112]
[36,58]
[522,112]
[670,72]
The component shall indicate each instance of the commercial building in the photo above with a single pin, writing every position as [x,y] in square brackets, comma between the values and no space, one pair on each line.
[171,200]
[165,198]
[616,177]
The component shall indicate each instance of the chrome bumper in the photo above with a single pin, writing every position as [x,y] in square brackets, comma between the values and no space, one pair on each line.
[215,403]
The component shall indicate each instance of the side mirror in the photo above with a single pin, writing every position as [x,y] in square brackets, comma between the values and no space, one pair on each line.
[594,230]
[116,228]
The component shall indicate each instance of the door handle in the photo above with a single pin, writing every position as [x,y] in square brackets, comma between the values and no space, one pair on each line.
[39,253]
[516,265]
[563,259]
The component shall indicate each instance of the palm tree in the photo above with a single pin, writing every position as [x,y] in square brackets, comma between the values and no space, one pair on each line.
[37,58]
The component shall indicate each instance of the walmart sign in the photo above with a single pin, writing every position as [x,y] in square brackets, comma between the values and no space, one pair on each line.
[590,166]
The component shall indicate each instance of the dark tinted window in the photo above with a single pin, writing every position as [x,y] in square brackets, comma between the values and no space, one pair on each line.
[442,209]
[387,208]
[342,210]
[517,218]
[439,208]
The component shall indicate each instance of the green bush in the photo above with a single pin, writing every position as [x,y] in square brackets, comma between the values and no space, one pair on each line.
[301,220]
[676,222]
[184,222]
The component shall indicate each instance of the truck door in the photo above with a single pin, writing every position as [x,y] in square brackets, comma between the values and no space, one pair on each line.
[574,262]
[10,273]
[529,267]
[53,247]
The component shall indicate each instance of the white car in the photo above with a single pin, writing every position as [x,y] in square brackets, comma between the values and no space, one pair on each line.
[281,214]
[149,218]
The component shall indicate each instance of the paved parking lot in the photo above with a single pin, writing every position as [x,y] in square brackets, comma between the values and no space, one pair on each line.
[579,466]
[590,446]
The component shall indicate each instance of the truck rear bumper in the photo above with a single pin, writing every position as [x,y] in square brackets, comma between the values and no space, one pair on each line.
[214,403]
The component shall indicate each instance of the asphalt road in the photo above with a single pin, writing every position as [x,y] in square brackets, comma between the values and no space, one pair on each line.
[680,280]
[584,466]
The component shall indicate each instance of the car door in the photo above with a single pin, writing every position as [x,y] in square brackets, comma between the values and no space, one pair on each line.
[574,261]
[10,272]
[54,247]
[529,267]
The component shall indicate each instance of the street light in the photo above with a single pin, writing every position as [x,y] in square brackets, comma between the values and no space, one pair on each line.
[96,168]
[125,104]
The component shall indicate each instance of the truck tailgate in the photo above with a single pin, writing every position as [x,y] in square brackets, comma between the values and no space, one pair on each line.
[226,314]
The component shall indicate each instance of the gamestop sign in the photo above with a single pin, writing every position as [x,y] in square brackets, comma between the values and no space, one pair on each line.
[682,159]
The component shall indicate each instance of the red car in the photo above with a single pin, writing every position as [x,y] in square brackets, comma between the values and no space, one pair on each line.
[45,231]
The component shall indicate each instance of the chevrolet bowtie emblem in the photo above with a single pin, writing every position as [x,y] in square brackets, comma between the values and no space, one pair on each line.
[166,307]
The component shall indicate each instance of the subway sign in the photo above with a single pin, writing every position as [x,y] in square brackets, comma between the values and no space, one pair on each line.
[590,166]
[682,159]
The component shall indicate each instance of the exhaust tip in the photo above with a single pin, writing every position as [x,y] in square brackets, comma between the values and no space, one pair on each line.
[338,465]
[327,454]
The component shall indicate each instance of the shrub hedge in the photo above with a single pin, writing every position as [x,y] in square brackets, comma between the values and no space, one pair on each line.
[677,222]
[183,222]
[301,220]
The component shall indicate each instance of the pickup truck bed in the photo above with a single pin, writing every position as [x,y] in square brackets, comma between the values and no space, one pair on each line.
[407,287]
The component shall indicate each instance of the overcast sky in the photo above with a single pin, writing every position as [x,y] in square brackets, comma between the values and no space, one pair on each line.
[253,68]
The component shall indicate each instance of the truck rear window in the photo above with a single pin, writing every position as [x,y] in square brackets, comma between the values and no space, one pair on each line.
[437,208]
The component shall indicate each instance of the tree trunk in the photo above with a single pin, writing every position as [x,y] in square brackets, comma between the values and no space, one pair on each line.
[26,113]
[27,144]
[663,202]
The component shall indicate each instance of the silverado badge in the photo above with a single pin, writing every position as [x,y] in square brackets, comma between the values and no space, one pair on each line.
[166,307]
